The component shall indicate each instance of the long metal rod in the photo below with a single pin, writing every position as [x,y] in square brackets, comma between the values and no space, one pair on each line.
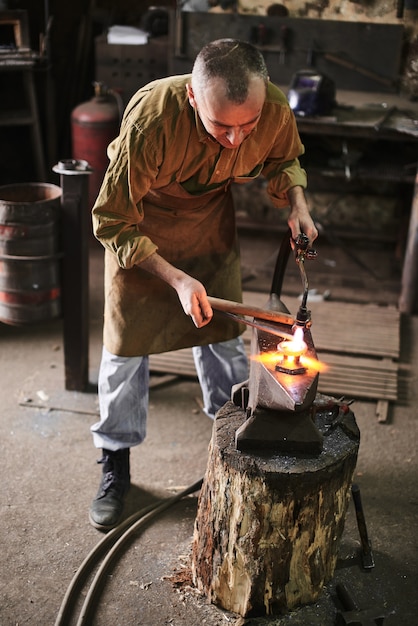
[229,306]
[267,328]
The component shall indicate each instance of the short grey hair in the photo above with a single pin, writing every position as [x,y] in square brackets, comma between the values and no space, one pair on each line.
[233,60]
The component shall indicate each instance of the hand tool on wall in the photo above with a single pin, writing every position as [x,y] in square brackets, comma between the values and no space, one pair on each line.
[384,118]
[366,553]
[337,59]
[343,60]
[284,44]
[179,31]
[352,615]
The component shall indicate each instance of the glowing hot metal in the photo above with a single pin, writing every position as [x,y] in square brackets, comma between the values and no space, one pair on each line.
[282,378]
[290,353]
[291,356]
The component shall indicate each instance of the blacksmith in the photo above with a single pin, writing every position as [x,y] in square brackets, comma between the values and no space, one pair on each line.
[166,219]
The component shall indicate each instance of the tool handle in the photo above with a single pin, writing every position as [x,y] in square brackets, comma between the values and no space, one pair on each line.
[358,68]
[361,521]
[229,306]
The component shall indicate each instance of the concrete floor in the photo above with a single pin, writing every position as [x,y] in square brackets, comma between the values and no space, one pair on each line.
[49,476]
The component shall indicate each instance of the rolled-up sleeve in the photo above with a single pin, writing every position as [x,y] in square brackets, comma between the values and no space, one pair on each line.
[283,177]
[118,210]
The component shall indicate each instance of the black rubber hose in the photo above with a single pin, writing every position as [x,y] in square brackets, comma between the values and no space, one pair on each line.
[83,571]
[281,263]
[118,536]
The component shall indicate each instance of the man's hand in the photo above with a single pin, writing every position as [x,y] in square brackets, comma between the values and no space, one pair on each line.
[191,292]
[194,300]
[300,220]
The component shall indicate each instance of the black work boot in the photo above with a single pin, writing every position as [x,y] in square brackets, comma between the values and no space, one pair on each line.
[106,509]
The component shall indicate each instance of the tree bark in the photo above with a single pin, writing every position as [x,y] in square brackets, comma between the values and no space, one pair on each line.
[268,529]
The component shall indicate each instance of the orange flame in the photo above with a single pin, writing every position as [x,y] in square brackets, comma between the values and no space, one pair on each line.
[291,350]
[271,359]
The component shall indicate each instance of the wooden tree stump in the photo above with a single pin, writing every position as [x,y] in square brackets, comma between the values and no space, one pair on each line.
[268,529]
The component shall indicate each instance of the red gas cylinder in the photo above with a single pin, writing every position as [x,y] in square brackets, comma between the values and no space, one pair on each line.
[94,124]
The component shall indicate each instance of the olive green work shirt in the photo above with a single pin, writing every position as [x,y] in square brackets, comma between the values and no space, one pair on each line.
[167,188]
[162,140]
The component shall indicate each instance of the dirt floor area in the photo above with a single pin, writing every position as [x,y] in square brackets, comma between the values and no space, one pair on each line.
[49,475]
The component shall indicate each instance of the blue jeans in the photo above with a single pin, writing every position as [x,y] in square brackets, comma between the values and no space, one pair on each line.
[124,390]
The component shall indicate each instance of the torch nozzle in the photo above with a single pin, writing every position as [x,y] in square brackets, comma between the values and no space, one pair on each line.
[303,317]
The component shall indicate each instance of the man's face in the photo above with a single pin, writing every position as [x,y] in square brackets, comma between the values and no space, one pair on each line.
[225,121]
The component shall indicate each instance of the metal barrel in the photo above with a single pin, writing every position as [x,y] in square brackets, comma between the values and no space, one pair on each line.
[29,253]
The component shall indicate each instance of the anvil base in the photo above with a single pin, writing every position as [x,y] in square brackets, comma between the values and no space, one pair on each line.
[279,431]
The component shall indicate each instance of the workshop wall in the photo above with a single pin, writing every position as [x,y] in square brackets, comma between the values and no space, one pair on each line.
[377,11]
[74,26]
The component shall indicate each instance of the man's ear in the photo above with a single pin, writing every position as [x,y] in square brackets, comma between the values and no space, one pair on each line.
[190,95]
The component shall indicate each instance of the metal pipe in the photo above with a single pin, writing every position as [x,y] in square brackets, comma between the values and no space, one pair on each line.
[75,297]
[267,328]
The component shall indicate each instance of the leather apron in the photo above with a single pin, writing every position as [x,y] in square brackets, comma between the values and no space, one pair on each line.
[196,233]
